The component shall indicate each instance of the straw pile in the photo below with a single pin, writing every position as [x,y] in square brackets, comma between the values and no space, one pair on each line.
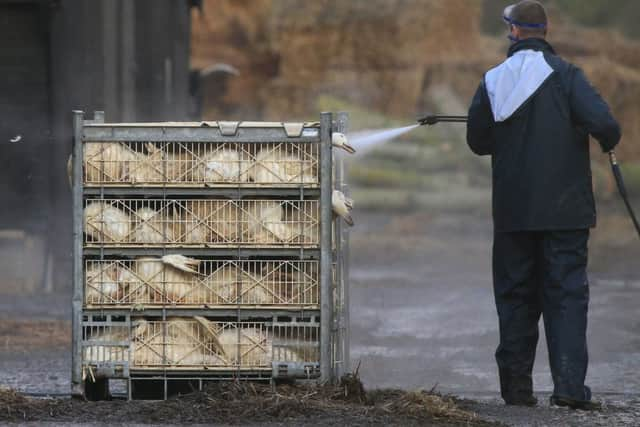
[276,166]
[107,161]
[105,223]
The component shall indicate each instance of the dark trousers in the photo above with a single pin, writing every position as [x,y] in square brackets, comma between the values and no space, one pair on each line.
[534,273]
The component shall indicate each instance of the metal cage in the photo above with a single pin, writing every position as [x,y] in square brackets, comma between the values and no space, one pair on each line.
[264,295]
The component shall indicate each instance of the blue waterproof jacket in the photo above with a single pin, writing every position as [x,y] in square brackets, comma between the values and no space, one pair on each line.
[533,114]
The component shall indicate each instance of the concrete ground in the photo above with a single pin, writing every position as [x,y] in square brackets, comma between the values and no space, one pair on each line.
[423,316]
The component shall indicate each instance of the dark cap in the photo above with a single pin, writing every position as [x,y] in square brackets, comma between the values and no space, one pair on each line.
[526,14]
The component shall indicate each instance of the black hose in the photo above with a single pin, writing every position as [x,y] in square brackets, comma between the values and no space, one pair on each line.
[617,173]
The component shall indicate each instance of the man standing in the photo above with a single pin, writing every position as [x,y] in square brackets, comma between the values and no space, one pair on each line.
[533,114]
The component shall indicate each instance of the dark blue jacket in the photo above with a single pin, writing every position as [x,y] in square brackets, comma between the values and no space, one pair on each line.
[533,114]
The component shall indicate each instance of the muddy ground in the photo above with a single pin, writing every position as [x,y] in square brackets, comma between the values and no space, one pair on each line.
[423,317]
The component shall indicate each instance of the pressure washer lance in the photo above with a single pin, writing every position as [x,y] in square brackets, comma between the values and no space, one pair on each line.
[615,167]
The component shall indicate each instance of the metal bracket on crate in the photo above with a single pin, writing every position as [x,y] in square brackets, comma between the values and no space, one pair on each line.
[118,370]
[295,370]
[228,128]
[293,130]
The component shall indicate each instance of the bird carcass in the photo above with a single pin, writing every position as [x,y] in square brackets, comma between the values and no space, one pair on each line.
[181,163]
[265,223]
[178,342]
[246,346]
[105,223]
[148,168]
[274,165]
[168,280]
[230,284]
[208,221]
[302,219]
[102,285]
[342,206]
[151,227]
[107,162]
[221,165]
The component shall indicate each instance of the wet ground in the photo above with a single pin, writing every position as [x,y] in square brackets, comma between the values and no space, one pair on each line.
[423,316]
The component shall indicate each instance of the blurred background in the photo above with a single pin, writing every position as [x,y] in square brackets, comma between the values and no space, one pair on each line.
[422,305]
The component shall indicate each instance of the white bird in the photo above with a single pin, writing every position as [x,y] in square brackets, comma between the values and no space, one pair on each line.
[342,205]
[16,138]
[340,140]
[182,262]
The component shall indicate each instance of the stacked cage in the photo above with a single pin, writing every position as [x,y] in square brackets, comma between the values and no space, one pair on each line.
[203,251]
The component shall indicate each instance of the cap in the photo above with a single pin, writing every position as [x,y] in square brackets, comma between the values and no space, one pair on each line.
[507,16]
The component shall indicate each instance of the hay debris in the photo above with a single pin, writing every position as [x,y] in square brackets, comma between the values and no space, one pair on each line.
[250,403]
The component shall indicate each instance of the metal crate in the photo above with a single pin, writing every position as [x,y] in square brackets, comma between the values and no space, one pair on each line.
[186,343]
[201,222]
[148,281]
[252,202]
[191,164]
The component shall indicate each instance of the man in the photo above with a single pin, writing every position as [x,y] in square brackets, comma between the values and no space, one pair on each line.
[533,114]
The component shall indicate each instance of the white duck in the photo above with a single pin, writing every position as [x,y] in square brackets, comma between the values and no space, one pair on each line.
[342,206]
[181,262]
[339,140]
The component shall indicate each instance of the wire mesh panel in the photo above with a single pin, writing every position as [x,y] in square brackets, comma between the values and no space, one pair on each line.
[178,280]
[200,222]
[105,341]
[199,343]
[299,343]
[197,164]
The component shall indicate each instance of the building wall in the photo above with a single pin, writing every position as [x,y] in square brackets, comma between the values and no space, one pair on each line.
[127,58]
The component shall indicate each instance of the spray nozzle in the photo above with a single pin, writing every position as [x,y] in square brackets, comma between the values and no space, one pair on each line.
[432,119]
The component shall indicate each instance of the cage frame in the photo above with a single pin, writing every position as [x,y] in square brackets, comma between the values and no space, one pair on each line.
[331,312]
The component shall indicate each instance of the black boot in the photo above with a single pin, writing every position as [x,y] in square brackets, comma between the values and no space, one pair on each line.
[517,391]
[586,405]
[521,400]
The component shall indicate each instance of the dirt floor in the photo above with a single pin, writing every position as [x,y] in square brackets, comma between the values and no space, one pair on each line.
[423,318]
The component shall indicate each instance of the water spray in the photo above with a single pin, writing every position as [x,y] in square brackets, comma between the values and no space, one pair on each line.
[615,167]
